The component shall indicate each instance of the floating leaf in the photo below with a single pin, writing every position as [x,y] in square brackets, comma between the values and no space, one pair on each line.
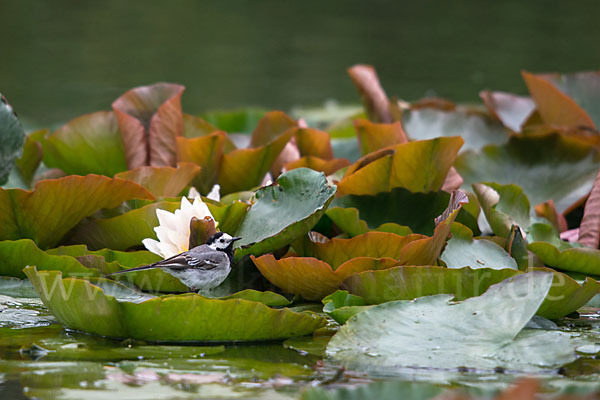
[32,155]
[162,181]
[267,298]
[419,166]
[313,143]
[206,152]
[583,88]
[244,169]
[271,126]
[12,137]
[371,244]
[410,282]
[342,305]
[150,119]
[348,220]
[387,390]
[284,211]
[503,206]
[195,126]
[123,231]
[550,166]
[512,110]
[311,278]
[372,137]
[555,106]
[84,306]
[464,251]
[48,212]
[373,96]
[328,167]
[242,120]
[476,128]
[90,144]
[383,208]
[483,332]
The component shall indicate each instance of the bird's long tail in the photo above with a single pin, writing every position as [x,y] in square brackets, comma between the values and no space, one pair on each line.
[142,268]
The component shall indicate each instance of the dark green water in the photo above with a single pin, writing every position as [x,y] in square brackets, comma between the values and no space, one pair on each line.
[63,58]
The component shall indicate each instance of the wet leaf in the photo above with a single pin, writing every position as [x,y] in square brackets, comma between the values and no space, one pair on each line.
[510,109]
[162,181]
[54,207]
[372,137]
[555,106]
[483,332]
[419,166]
[373,96]
[311,278]
[150,119]
[464,251]
[90,144]
[476,128]
[86,307]
[32,155]
[549,166]
[284,211]
[12,138]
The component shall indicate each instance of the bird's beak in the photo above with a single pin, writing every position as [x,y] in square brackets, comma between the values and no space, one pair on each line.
[235,239]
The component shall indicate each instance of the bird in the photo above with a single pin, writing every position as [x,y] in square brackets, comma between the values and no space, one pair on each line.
[200,268]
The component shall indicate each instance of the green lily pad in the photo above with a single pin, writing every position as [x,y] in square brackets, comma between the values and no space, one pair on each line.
[583,88]
[123,231]
[270,299]
[549,166]
[55,206]
[503,206]
[284,211]
[84,306]
[31,158]
[12,138]
[348,220]
[162,181]
[410,282]
[383,208]
[90,144]
[476,128]
[342,305]
[242,120]
[17,288]
[482,332]
[419,166]
[556,253]
[464,251]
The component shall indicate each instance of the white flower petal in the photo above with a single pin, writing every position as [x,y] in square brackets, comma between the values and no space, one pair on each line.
[166,219]
[193,192]
[215,193]
[152,245]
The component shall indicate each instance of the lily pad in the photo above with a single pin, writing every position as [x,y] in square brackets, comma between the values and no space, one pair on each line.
[552,95]
[12,137]
[84,306]
[476,128]
[372,136]
[284,211]
[549,166]
[503,206]
[90,144]
[313,143]
[162,181]
[242,120]
[464,251]
[510,109]
[342,305]
[418,210]
[409,282]
[54,207]
[150,119]
[387,390]
[482,332]
[31,158]
[311,278]
[328,167]
[419,166]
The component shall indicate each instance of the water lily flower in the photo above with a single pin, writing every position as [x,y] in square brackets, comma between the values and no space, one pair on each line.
[173,231]
[214,194]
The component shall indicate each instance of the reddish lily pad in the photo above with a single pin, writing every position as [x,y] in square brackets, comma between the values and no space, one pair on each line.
[555,106]
[85,306]
[162,181]
[270,127]
[54,207]
[372,137]
[311,278]
[510,109]
[419,166]
[150,119]
[90,144]
[374,98]
[328,167]
[313,143]
[195,126]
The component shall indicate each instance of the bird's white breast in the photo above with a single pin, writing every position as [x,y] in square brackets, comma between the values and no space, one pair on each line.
[196,278]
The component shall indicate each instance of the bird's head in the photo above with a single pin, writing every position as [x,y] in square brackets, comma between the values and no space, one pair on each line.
[222,241]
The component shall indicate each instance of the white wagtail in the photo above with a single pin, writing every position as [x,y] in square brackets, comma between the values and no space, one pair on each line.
[201,268]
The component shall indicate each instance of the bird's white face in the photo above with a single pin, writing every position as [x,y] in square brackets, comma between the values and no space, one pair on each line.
[222,243]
